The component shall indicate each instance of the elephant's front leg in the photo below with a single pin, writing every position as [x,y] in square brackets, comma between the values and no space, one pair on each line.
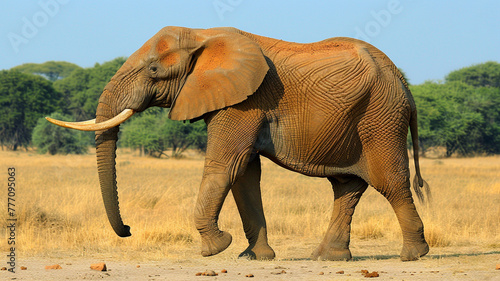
[335,245]
[213,191]
[247,195]
[231,135]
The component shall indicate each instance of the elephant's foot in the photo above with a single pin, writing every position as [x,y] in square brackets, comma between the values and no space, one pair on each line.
[414,251]
[262,252]
[331,254]
[212,245]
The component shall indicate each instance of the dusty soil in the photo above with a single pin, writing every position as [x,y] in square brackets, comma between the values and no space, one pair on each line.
[447,264]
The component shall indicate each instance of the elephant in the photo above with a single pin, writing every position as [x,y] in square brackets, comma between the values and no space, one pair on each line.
[338,109]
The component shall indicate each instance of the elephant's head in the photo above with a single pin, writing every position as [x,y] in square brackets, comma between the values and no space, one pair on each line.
[191,71]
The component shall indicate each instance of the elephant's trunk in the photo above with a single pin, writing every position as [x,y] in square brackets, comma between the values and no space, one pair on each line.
[106,165]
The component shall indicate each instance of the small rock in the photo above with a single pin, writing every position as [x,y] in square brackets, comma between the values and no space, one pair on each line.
[210,273]
[321,273]
[98,266]
[279,267]
[223,271]
[23,268]
[55,266]
[364,271]
[249,275]
[138,266]
[3,268]
[278,272]
[498,267]
[372,274]
[340,272]
[207,273]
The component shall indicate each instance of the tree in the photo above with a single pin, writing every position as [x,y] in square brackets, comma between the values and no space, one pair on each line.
[153,133]
[486,102]
[141,133]
[24,98]
[179,136]
[480,75]
[459,117]
[81,89]
[52,70]
[57,140]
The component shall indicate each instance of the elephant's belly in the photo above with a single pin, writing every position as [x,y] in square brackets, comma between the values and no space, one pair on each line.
[314,169]
[312,155]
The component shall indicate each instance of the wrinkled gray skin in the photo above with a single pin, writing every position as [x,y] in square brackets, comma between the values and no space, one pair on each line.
[337,109]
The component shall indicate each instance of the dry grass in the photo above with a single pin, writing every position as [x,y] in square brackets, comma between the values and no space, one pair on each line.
[59,206]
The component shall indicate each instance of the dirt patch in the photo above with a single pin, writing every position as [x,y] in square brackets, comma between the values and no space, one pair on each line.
[98,266]
[433,267]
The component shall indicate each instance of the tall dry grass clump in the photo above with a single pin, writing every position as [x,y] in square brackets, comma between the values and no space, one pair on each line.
[59,207]
[466,206]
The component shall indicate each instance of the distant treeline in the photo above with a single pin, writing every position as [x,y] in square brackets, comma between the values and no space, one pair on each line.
[461,113]
[66,91]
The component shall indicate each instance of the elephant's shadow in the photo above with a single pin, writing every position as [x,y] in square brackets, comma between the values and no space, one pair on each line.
[388,257]
[430,256]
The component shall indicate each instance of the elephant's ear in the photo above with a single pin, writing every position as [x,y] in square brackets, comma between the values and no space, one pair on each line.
[228,67]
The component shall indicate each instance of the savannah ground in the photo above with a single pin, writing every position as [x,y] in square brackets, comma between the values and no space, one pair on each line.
[61,220]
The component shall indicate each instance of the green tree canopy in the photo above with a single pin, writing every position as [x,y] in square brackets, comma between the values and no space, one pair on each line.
[180,136]
[52,70]
[142,133]
[53,139]
[153,133]
[480,75]
[458,116]
[81,89]
[24,98]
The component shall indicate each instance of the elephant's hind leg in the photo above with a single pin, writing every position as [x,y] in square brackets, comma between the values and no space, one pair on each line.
[247,195]
[395,186]
[335,245]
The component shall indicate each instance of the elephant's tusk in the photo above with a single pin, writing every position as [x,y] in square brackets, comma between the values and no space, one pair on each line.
[91,125]
[79,123]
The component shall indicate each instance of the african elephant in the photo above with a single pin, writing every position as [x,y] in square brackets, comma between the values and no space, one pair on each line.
[337,108]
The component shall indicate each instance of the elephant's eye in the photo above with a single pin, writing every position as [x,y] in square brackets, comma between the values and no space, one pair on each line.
[153,68]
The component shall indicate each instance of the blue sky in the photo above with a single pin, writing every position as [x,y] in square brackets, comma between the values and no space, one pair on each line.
[427,39]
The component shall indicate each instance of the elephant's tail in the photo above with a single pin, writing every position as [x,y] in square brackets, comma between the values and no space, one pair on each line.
[420,186]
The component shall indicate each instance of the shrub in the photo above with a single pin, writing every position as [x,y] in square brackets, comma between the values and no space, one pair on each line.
[53,139]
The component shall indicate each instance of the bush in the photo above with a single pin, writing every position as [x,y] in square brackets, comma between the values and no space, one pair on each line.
[153,133]
[462,118]
[179,136]
[24,98]
[83,87]
[53,139]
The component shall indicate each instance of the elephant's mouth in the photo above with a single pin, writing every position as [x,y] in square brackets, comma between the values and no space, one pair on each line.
[91,125]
